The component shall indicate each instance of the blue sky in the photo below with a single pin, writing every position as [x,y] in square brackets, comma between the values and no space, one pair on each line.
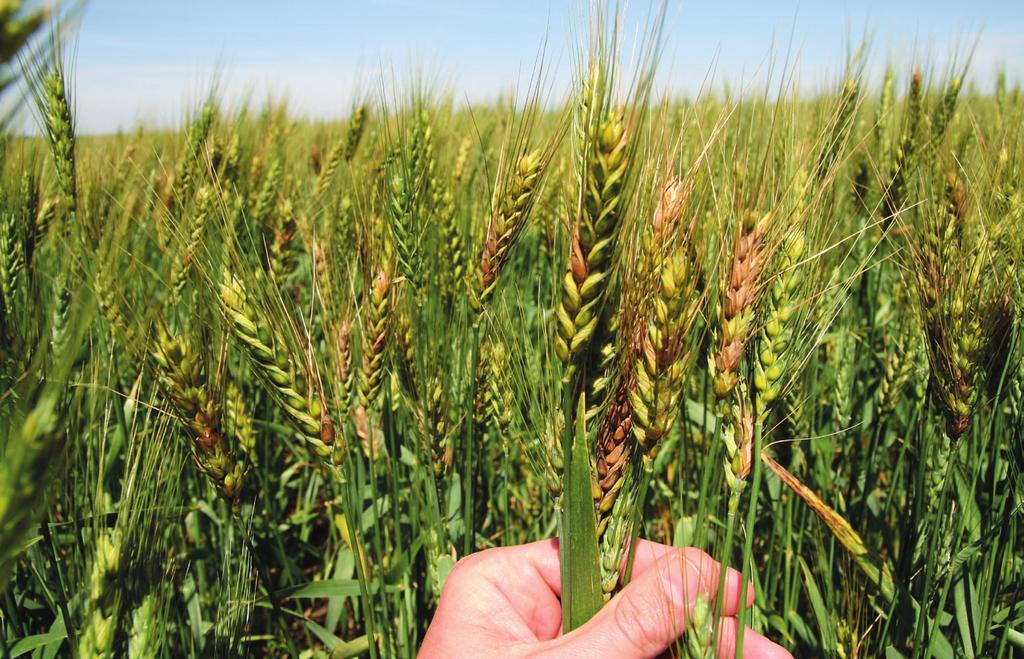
[151,61]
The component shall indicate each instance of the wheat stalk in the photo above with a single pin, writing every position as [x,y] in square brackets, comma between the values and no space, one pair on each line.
[205,200]
[17,25]
[773,355]
[664,357]
[378,314]
[239,423]
[409,187]
[330,167]
[895,192]
[142,637]
[655,361]
[592,243]
[461,160]
[100,626]
[183,378]
[192,163]
[12,263]
[29,460]
[736,316]
[60,129]
[511,212]
[356,127]
[266,197]
[966,318]
[270,358]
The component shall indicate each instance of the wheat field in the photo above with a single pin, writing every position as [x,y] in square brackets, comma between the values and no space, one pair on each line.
[264,381]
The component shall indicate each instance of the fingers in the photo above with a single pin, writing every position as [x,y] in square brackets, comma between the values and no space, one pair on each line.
[708,571]
[646,554]
[529,561]
[542,557]
[507,594]
[650,554]
[655,608]
[755,646]
[645,619]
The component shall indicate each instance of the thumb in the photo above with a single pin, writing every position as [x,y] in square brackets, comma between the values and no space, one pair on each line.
[651,612]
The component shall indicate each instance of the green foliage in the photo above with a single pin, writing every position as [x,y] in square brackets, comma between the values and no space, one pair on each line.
[263,382]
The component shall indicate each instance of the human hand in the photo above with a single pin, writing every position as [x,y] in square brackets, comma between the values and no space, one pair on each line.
[505,602]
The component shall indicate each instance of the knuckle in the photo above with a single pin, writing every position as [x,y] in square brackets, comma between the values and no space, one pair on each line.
[696,557]
[472,564]
[699,568]
[635,622]
[463,566]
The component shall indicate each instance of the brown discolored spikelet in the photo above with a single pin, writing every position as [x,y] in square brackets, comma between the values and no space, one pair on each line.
[183,379]
[613,452]
[511,212]
[737,313]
